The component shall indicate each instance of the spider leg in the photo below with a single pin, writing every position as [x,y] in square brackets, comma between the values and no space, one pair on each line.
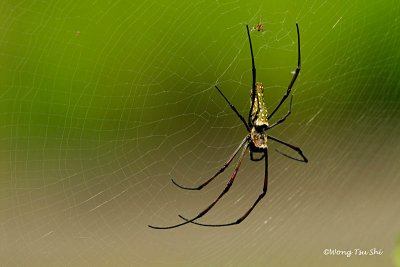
[297,71]
[226,164]
[234,109]
[284,118]
[253,71]
[264,192]
[228,186]
[252,158]
[295,148]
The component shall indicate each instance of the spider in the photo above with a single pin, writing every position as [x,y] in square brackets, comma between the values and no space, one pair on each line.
[259,26]
[256,141]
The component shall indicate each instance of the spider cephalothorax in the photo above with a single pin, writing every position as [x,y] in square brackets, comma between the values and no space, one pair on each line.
[255,140]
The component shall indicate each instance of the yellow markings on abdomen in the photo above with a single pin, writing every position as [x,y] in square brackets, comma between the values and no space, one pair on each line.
[259,114]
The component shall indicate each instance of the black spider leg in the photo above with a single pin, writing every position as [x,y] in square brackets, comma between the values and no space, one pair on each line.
[264,192]
[234,109]
[228,186]
[284,117]
[253,70]
[289,89]
[295,148]
[252,158]
[226,164]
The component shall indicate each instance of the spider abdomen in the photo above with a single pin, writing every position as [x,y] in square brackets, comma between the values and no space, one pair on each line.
[259,114]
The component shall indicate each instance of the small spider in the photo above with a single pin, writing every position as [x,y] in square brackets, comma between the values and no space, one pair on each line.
[256,141]
[259,26]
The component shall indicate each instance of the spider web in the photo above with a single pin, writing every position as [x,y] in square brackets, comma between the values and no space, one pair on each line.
[103,103]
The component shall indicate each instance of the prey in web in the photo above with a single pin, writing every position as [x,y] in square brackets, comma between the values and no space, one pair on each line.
[256,141]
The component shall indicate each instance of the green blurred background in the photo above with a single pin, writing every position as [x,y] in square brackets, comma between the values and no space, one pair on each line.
[103,102]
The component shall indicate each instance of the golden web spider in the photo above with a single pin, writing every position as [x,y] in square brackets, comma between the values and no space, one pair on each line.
[256,141]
